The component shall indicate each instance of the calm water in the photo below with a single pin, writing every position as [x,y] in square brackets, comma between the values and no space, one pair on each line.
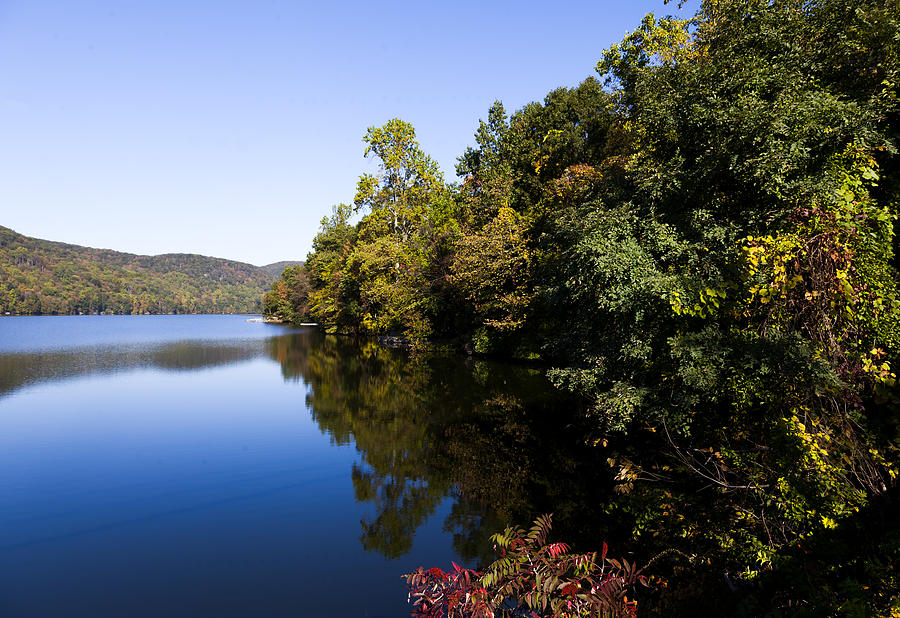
[207,466]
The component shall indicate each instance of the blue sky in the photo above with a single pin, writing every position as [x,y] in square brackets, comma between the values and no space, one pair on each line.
[230,128]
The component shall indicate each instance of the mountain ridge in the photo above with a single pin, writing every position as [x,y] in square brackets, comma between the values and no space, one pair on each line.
[39,276]
[275,268]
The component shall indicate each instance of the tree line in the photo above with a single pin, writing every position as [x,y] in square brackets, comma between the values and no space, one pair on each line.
[701,242]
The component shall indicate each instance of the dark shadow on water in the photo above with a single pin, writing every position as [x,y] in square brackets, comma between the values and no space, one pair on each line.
[494,437]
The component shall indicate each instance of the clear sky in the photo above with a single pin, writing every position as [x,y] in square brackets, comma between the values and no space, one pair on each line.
[230,128]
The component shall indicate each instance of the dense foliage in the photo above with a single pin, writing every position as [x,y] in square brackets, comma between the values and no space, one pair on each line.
[51,278]
[702,243]
[288,299]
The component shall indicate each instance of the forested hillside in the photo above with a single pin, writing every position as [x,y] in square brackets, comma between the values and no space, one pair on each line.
[701,241]
[51,278]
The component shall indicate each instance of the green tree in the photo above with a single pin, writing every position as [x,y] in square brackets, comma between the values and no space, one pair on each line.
[408,207]
[333,296]
[492,270]
[409,188]
[288,299]
[487,171]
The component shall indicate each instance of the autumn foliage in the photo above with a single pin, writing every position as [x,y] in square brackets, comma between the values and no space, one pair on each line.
[530,578]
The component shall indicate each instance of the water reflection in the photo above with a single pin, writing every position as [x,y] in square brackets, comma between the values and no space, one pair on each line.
[492,437]
[486,434]
[21,369]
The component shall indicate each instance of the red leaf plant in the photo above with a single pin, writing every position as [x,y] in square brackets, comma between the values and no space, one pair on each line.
[530,579]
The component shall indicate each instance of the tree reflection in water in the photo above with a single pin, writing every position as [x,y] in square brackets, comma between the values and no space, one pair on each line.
[492,436]
[20,369]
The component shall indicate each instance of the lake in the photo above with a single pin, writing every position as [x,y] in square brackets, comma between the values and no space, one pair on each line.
[210,466]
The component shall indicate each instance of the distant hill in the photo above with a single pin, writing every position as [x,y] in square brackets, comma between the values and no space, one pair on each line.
[275,269]
[45,277]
